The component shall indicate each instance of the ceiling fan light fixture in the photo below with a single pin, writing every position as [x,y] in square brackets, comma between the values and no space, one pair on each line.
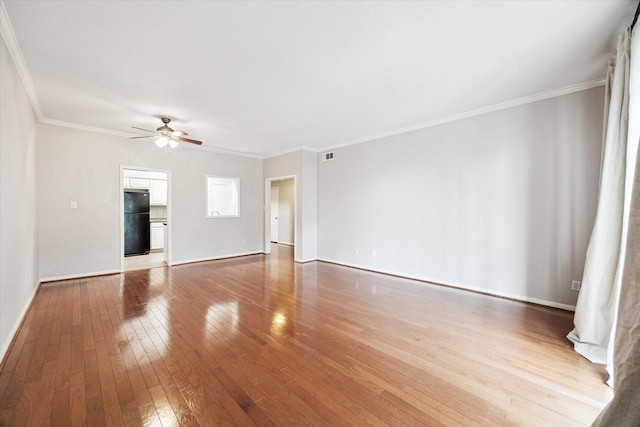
[173,143]
[162,141]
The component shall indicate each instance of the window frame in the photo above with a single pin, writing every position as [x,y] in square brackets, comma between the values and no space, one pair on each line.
[208,195]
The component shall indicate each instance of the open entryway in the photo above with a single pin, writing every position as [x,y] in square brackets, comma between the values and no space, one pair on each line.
[280,212]
[145,213]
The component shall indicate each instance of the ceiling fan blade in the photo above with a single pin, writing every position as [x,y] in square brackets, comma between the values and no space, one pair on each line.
[179,133]
[138,137]
[192,141]
[146,130]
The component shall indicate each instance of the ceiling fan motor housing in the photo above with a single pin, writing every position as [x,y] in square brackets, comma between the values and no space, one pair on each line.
[165,130]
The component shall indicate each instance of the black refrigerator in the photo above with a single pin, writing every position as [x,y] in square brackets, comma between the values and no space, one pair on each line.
[137,239]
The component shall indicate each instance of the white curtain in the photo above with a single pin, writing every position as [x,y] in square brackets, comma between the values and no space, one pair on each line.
[624,409]
[607,319]
[598,298]
[624,354]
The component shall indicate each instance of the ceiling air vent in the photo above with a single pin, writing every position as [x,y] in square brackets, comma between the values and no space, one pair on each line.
[327,156]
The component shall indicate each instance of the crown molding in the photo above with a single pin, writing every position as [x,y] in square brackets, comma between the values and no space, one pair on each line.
[477,112]
[291,150]
[77,126]
[103,131]
[9,36]
[221,151]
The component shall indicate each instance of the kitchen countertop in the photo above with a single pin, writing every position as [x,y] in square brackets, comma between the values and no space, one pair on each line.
[157,219]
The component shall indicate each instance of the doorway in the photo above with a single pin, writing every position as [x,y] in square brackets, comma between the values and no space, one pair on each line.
[280,212]
[145,218]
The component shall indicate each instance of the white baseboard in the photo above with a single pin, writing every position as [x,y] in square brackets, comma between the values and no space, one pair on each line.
[215,258]
[302,261]
[78,276]
[425,280]
[285,243]
[16,326]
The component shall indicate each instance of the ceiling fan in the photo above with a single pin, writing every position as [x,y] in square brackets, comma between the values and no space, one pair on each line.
[166,136]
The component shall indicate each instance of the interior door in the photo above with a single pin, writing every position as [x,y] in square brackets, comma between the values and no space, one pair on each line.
[275,203]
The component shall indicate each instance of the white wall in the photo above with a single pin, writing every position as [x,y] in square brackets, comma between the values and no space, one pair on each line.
[286,210]
[18,200]
[302,164]
[85,167]
[502,202]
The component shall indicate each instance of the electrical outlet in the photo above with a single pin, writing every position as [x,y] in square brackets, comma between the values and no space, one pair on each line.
[373,252]
[74,204]
[575,285]
[355,252]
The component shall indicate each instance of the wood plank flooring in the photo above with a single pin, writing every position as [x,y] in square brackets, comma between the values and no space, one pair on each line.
[260,340]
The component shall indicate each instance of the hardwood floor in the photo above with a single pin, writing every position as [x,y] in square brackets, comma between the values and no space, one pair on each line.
[261,340]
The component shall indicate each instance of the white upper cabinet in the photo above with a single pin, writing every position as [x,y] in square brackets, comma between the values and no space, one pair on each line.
[138,183]
[155,182]
[157,192]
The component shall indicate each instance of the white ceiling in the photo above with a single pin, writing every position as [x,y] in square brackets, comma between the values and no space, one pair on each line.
[265,77]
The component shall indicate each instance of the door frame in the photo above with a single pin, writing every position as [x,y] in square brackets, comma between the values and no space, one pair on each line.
[168,257]
[271,215]
[267,211]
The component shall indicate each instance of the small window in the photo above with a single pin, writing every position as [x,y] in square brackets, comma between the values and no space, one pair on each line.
[223,195]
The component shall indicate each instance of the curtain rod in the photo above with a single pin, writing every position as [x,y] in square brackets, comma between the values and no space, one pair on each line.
[635,17]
